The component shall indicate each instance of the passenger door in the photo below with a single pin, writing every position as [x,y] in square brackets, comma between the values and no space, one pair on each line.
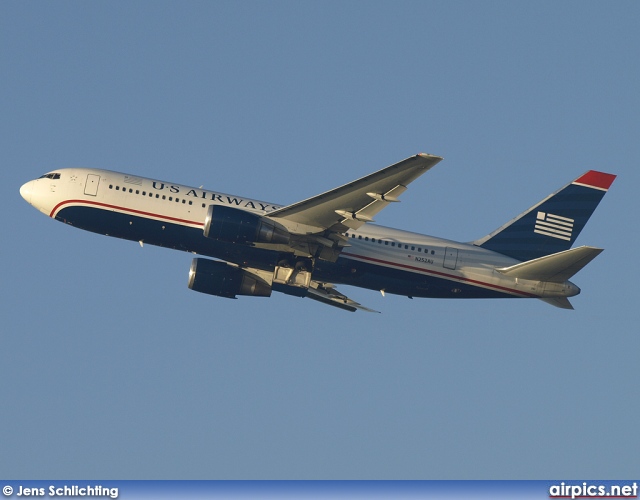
[91,187]
[450,257]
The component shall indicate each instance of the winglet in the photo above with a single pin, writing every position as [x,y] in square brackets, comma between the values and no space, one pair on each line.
[428,155]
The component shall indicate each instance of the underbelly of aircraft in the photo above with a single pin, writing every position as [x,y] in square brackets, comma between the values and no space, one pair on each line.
[387,278]
[390,279]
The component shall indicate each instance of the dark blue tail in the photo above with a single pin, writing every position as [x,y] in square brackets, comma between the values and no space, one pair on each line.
[552,225]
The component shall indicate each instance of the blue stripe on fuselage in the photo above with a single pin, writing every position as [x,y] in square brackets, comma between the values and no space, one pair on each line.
[163,234]
[344,271]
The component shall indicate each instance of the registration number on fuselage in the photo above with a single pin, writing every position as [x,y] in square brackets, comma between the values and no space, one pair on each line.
[424,259]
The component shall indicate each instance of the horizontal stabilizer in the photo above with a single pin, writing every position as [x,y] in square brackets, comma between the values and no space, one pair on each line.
[557,267]
[561,302]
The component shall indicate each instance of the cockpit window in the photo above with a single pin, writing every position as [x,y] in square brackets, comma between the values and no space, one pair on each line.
[50,176]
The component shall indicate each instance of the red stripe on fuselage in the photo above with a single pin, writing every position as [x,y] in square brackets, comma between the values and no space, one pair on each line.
[124,209]
[371,259]
[444,275]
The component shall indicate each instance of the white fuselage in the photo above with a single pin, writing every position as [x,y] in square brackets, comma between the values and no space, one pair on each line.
[376,257]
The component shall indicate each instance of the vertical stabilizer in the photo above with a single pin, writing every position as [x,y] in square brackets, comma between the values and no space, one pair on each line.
[552,225]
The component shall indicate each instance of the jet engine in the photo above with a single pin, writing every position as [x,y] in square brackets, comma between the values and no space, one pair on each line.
[221,279]
[233,225]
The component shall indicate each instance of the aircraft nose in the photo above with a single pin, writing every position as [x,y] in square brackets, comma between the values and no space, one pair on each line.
[26,190]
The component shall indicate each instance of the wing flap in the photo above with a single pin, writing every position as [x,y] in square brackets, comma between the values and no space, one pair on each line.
[327,294]
[354,220]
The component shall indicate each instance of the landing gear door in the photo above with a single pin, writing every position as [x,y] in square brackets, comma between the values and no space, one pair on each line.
[91,187]
[450,257]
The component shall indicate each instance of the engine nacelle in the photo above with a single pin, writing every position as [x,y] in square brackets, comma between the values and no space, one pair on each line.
[217,278]
[233,225]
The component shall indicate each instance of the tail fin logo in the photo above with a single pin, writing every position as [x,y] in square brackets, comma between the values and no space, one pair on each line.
[555,226]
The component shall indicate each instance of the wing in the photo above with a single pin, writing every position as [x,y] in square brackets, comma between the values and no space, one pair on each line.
[316,224]
[327,294]
[354,204]
[299,284]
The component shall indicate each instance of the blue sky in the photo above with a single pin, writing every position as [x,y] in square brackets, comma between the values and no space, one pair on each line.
[113,368]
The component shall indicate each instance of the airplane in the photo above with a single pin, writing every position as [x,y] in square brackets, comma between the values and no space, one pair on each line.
[249,247]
